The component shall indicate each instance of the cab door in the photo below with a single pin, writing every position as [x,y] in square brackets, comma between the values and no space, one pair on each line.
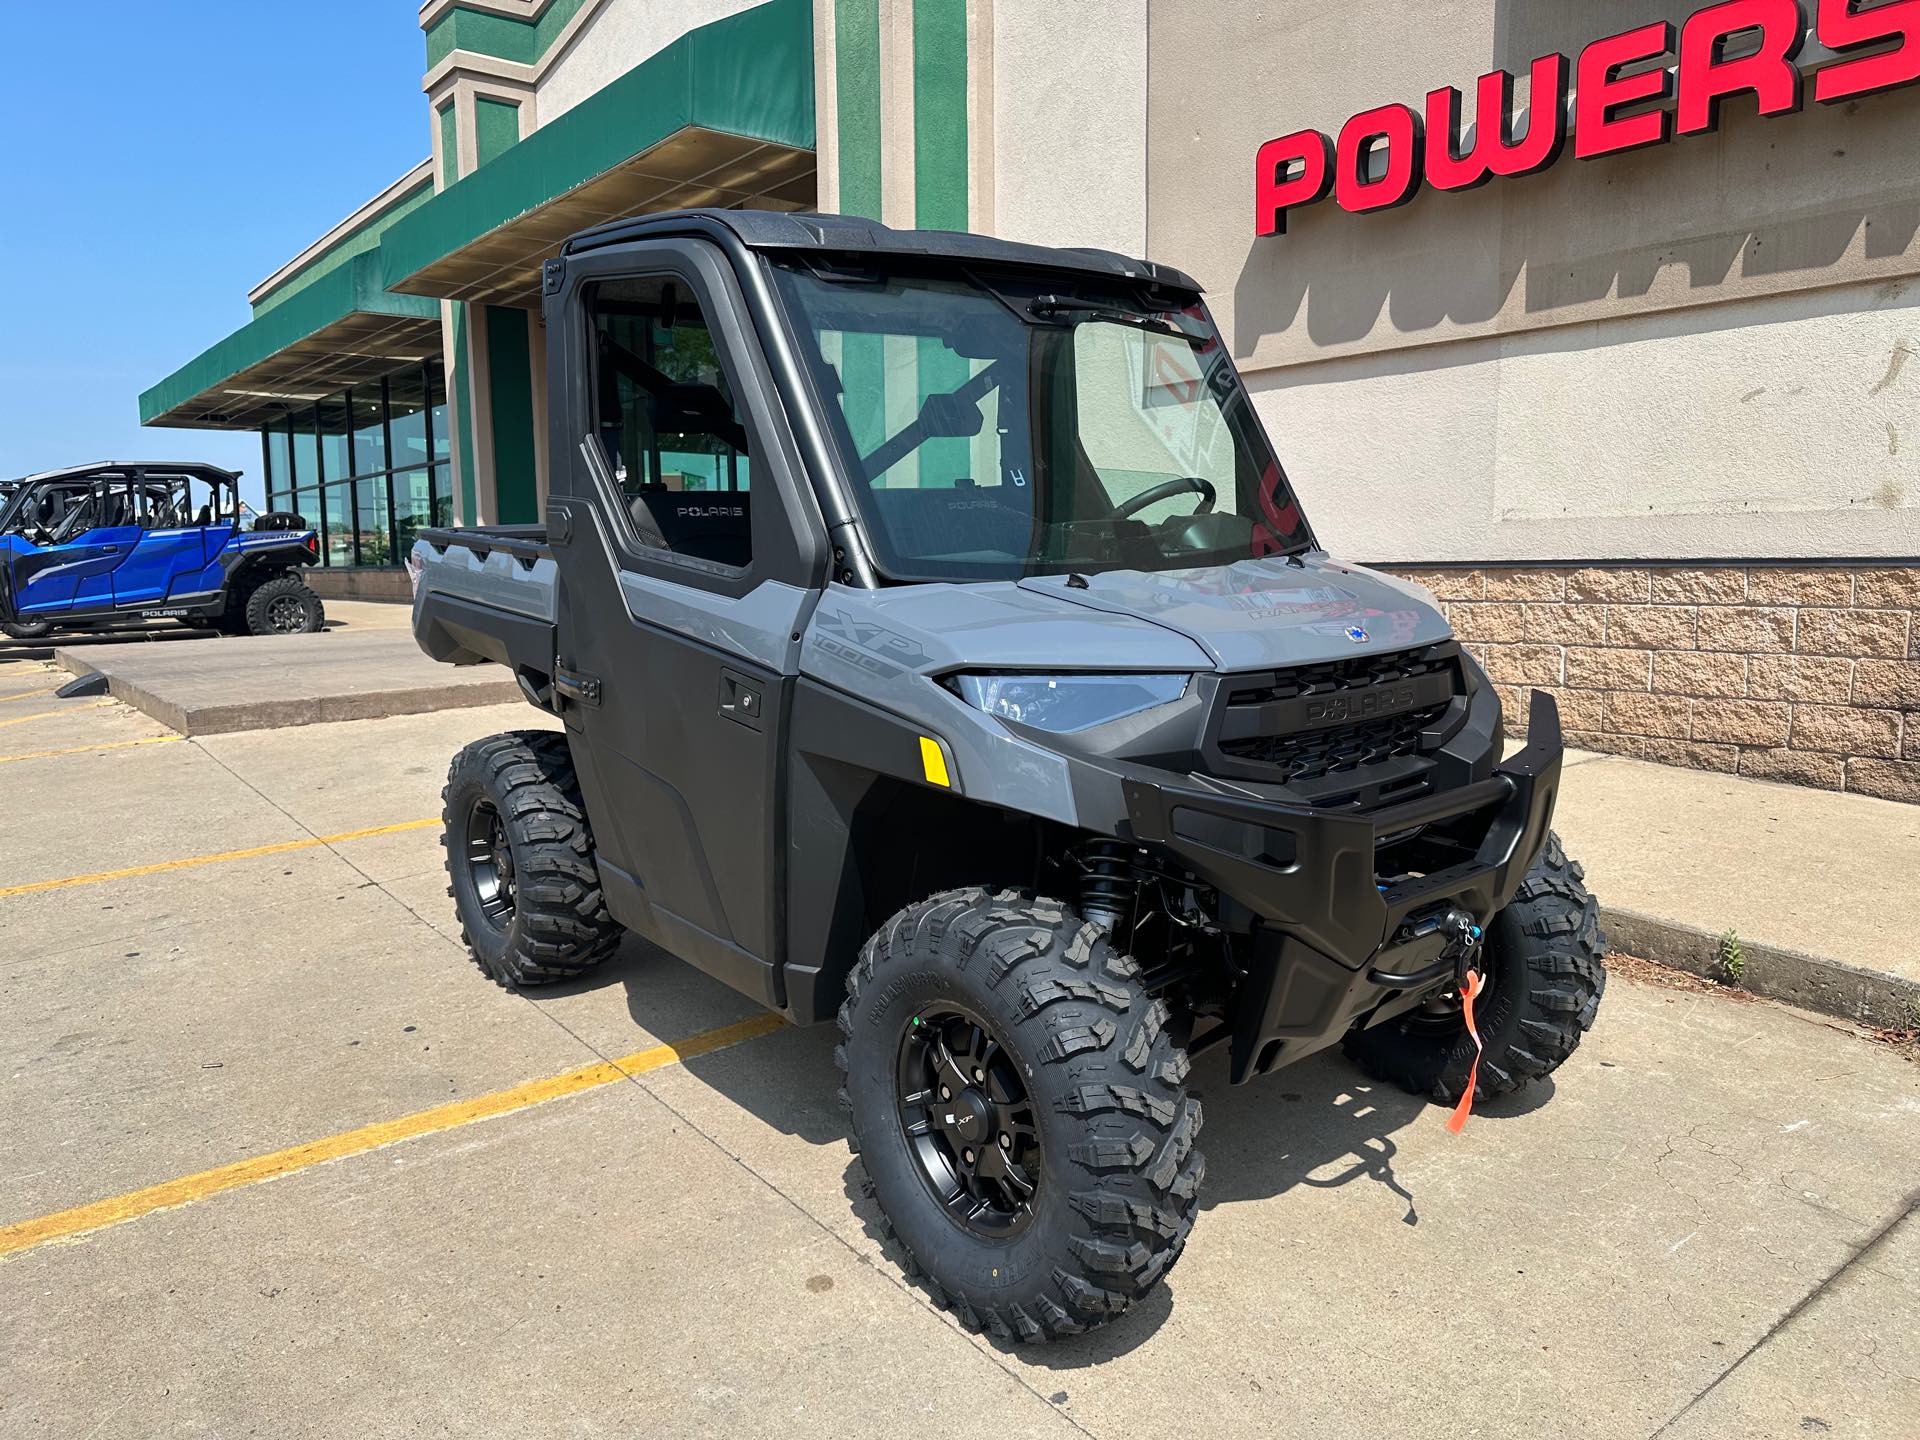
[74,571]
[166,546]
[690,555]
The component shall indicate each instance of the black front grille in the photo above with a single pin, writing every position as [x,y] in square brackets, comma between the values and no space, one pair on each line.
[1356,673]
[1292,727]
[1316,754]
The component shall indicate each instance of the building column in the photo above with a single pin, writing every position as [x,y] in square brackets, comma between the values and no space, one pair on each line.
[903,89]
[509,478]
[456,343]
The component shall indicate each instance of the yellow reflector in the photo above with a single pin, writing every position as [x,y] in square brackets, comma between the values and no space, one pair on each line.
[934,763]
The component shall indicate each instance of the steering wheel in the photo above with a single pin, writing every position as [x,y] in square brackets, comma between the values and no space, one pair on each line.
[1166,490]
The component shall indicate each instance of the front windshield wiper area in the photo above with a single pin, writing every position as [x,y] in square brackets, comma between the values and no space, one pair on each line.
[1077,312]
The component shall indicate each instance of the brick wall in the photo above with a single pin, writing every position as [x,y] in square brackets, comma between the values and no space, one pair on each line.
[1808,675]
[344,583]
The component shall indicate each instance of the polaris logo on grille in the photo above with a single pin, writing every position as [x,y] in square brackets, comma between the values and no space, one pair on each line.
[1363,704]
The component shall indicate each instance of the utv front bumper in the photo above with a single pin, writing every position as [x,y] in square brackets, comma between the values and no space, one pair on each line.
[1346,904]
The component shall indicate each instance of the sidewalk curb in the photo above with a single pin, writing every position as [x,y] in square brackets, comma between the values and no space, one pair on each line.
[224,717]
[1812,982]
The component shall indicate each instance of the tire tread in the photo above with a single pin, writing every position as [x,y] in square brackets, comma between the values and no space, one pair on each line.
[562,926]
[1082,1009]
[1556,922]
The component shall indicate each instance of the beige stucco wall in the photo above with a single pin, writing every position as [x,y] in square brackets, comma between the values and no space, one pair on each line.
[1069,122]
[617,37]
[1697,350]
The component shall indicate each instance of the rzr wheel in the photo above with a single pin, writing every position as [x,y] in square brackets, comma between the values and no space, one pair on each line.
[1019,1105]
[284,605]
[520,859]
[27,630]
[1545,971]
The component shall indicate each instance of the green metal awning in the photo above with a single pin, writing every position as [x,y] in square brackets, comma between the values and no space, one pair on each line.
[343,328]
[721,117]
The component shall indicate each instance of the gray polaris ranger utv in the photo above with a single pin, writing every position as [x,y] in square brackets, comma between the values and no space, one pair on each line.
[942,650]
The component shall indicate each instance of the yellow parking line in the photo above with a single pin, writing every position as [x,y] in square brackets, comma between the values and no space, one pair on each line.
[283,848]
[28,694]
[90,749]
[170,1194]
[49,714]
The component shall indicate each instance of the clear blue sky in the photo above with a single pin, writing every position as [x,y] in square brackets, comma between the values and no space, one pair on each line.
[164,159]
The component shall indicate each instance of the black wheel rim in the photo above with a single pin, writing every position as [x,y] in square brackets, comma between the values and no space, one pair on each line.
[286,614]
[969,1121]
[490,863]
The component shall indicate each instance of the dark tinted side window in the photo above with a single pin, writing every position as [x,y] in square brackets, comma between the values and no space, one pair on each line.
[667,423]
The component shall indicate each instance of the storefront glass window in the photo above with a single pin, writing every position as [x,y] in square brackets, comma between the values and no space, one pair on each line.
[339,462]
[332,418]
[338,544]
[437,407]
[369,430]
[407,401]
[412,509]
[305,449]
[370,522]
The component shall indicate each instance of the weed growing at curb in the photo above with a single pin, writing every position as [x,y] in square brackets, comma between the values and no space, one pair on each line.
[1733,960]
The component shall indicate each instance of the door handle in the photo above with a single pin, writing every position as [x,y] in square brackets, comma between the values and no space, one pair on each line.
[109,549]
[740,699]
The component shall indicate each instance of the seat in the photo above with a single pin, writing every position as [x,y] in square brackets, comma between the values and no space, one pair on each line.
[715,525]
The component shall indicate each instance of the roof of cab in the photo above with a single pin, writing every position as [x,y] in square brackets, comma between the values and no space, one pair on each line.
[844,234]
[191,468]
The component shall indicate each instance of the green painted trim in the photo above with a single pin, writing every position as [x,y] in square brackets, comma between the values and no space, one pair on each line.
[354,286]
[856,88]
[750,74]
[856,85]
[460,396]
[449,145]
[510,408]
[496,125]
[940,114]
[359,240]
[500,36]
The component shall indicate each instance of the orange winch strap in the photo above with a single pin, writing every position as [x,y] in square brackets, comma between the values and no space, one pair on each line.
[1469,988]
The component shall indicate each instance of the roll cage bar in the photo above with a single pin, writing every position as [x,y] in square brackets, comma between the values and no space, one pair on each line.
[59,504]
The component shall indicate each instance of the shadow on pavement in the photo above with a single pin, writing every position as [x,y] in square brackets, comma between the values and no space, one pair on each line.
[1318,1125]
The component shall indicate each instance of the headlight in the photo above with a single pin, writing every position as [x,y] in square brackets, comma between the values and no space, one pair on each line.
[1065,703]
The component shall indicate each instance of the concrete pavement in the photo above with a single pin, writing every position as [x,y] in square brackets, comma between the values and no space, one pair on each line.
[1817,887]
[1704,1227]
[364,665]
[1680,857]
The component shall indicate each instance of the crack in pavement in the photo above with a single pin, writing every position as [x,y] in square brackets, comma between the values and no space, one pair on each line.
[1859,1256]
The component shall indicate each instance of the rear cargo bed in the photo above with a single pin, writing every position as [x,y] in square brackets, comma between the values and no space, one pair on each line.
[488,592]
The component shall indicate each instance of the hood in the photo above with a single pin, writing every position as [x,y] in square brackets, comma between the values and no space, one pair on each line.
[931,629]
[1265,614]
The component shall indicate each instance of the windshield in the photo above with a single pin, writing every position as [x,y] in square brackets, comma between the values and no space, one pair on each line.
[1006,426]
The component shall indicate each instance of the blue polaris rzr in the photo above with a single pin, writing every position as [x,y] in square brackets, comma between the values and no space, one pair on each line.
[100,545]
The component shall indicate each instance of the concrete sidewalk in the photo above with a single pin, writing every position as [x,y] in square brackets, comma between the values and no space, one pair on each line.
[1812,883]
[1816,886]
[364,666]
[1704,1227]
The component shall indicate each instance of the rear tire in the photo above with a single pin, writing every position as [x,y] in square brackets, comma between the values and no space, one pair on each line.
[283,605]
[28,630]
[1074,1078]
[1546,971]
[520,859]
